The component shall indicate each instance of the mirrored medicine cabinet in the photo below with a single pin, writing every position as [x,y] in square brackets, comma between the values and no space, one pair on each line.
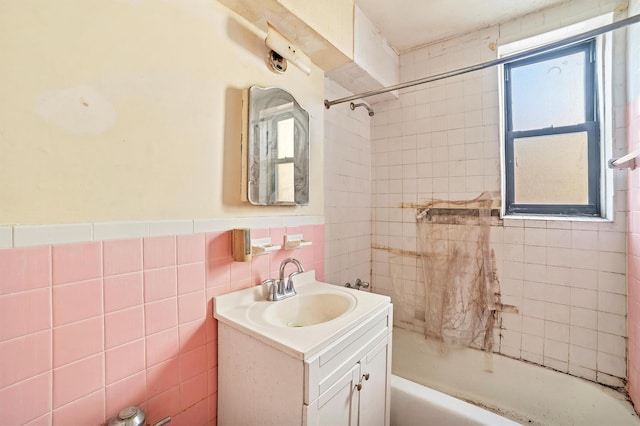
[275,149]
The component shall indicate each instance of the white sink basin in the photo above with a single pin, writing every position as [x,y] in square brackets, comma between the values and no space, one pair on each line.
[303,310]
[303,324]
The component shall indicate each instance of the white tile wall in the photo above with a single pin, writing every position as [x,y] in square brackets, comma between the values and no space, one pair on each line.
[442,141]
[349,187]
[35,235]
[6,237]
[31,235]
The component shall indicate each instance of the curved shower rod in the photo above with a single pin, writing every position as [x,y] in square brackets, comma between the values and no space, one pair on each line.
[569,40]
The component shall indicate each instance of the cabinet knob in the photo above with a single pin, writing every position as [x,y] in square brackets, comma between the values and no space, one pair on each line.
[359,386]
[366,376]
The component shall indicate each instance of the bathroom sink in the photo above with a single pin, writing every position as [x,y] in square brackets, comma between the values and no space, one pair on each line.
[303,324]
[303,310]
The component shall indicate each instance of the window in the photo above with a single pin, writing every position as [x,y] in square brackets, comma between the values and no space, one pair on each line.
[552,142]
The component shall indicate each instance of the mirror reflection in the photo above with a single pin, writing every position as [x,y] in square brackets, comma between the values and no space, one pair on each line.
[278,149]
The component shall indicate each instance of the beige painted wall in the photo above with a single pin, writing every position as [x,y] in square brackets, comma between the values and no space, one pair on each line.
[131,110]
[333,19]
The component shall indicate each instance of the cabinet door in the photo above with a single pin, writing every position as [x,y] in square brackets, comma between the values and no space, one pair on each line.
[374,407]
[339,404]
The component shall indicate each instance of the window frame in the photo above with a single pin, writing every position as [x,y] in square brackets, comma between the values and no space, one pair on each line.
[591,126]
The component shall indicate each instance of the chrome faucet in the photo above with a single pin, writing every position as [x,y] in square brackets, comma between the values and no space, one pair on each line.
[284,263]
[283,288]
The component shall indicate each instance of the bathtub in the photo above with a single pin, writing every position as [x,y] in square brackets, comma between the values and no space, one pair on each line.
[416,405]
[430,385]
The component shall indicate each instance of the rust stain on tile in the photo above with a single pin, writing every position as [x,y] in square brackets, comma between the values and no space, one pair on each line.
[399,252]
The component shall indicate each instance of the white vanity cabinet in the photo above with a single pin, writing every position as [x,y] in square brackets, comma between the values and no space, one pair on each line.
[344,380]
[359,397]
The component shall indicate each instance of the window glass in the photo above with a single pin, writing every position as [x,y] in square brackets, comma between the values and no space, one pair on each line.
[548,93]
[551,169]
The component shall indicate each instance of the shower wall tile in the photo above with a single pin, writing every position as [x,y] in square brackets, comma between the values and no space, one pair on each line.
[583,357]
[559,275]
[348,169]
[609,380]
[584,278]
[587,318]
[557,312]
[612,365]
[556,350]
[533,345]
[583,337]
[612,344]
[441,141]
[612,303]
[557,365]
[533,326]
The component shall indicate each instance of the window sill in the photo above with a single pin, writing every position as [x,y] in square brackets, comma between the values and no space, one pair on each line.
[558,218]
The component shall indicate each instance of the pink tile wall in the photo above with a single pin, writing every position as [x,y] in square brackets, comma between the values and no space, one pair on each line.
[633,275]
[88,329]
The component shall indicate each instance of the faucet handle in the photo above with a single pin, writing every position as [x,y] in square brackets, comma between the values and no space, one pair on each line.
[289,287]
[360,283]
[271,289]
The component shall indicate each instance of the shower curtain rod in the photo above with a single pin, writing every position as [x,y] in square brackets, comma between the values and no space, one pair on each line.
[569,40]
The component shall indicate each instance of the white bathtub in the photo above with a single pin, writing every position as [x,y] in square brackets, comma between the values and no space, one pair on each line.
[523,392]
[416,405]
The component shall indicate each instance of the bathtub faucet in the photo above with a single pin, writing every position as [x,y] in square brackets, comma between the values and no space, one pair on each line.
[359,284]
[283,288]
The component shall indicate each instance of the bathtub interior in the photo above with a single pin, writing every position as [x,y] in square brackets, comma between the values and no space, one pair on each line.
[416,405]
[524,392]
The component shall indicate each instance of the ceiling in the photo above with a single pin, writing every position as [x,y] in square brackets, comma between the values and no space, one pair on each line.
[411,23]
